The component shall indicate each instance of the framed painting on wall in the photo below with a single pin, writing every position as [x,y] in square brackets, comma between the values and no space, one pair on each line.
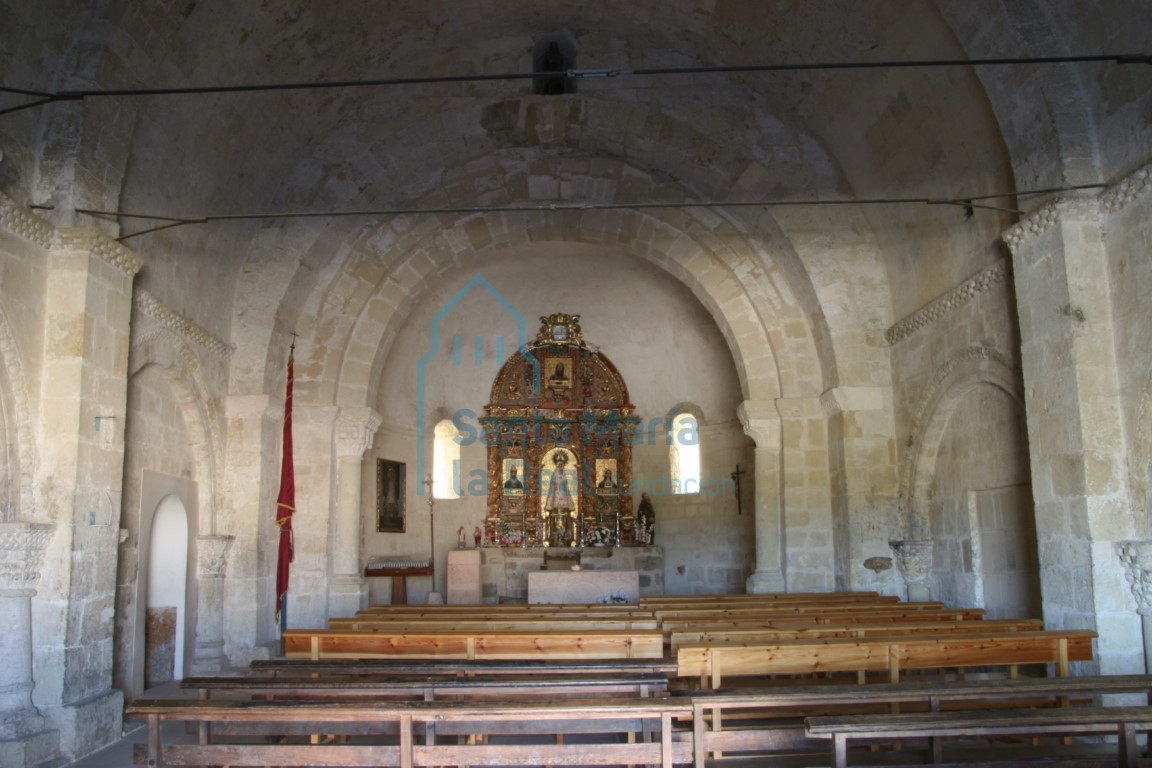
[389,496]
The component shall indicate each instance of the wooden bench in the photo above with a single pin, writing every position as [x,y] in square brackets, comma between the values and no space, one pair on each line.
[552,644]
[578,609]
[736,635]
[701,613]
[779,710]
[428,687]
[281,666]
[567,623]
[409,720]
[1123,722]
[768,600]
[890,654]
[790,620]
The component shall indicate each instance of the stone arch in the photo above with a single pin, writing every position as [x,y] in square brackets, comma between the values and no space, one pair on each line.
[962,373]
[18,460]
[167,352]
[752,304]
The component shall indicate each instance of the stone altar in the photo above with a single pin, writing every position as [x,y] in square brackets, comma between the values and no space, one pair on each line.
[584,587]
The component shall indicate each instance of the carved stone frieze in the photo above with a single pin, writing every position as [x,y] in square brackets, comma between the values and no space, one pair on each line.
[949,302]
[1036,224]
[25,225]
[915,561]
[155,309]
[1136,557]
[1118,196]
[100,245]
[22,548]
[355,429]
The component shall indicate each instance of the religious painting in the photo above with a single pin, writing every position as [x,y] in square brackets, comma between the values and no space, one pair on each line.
[389,496]
[558,372]
[607,478]
[513,475]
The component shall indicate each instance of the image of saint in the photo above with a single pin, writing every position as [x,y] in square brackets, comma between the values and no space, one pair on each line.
[607,483]
[513,482]
[558,376]
[559,500]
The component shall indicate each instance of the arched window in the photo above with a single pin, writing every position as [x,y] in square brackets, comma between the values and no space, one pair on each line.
[446,461]
[684,453]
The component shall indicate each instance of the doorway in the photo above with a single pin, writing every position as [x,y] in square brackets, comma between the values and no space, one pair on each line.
[166,607]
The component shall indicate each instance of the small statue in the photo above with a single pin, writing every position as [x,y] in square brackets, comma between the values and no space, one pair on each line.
[461,539]
[645,521]
[476,536]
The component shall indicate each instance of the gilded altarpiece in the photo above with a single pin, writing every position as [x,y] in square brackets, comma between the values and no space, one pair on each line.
[559,429]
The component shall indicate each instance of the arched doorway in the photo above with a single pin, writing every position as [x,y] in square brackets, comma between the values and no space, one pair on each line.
[166,607]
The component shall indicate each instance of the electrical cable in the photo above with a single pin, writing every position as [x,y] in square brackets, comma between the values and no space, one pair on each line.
[74,95]
[176,221]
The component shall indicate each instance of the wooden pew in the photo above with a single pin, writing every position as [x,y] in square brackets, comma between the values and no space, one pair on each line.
[700,613]
[780,598]
[280,667]
[579,609]
[782,631]
[429,720]
[568,623]
[890,654]
[552,644]
[1123,722]
[796,620]
[780,709]
[428,687]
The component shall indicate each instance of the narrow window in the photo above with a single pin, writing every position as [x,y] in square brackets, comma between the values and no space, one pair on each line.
[446,461]
[684,453]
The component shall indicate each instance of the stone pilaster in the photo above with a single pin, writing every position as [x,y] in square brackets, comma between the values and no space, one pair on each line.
[762,423]
[83,393]
[211,566]
[25,739]
[355,429]
[1074,408]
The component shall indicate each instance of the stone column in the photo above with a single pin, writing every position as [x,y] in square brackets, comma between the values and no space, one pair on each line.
[762,424]
[211,564]
[916,566]
[24,737]
[1075,415]
[1136,557]
[347,591]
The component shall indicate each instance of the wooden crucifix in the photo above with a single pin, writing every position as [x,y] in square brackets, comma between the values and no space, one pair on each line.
[736,480]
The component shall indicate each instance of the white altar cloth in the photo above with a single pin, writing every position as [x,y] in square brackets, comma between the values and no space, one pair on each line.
[584,586]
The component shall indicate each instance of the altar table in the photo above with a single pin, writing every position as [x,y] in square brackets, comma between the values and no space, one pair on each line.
[584,587]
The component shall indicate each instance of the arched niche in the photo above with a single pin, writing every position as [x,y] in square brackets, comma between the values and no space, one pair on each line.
[559,428]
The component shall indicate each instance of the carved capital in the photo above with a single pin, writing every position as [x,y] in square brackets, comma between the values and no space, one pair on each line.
[355,428]
[761,422]
[22,548]
[915,561]
[212,556]
[1136,557]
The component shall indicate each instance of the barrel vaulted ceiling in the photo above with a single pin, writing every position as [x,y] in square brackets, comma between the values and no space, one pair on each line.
[448,143]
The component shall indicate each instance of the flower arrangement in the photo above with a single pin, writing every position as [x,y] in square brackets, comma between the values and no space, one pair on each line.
[615,599]
[599,535]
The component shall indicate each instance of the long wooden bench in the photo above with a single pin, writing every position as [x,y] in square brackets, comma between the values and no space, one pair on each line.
[779,598]
[516,609]
[745,634]
[553,644]
[780,709]
[1123,722]
[281,666]
[428,720]
[889,654]
[701,613]
[796,620]
[457,624]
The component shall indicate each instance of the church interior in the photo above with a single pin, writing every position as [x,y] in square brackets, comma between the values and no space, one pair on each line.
[744,297]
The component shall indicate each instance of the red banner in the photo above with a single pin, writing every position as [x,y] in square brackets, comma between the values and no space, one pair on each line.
[285,507]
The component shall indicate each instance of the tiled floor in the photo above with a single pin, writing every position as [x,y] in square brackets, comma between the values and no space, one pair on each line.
[119,755]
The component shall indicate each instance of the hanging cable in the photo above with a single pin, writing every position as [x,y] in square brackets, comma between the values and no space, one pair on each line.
[966,203]
[46,97]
